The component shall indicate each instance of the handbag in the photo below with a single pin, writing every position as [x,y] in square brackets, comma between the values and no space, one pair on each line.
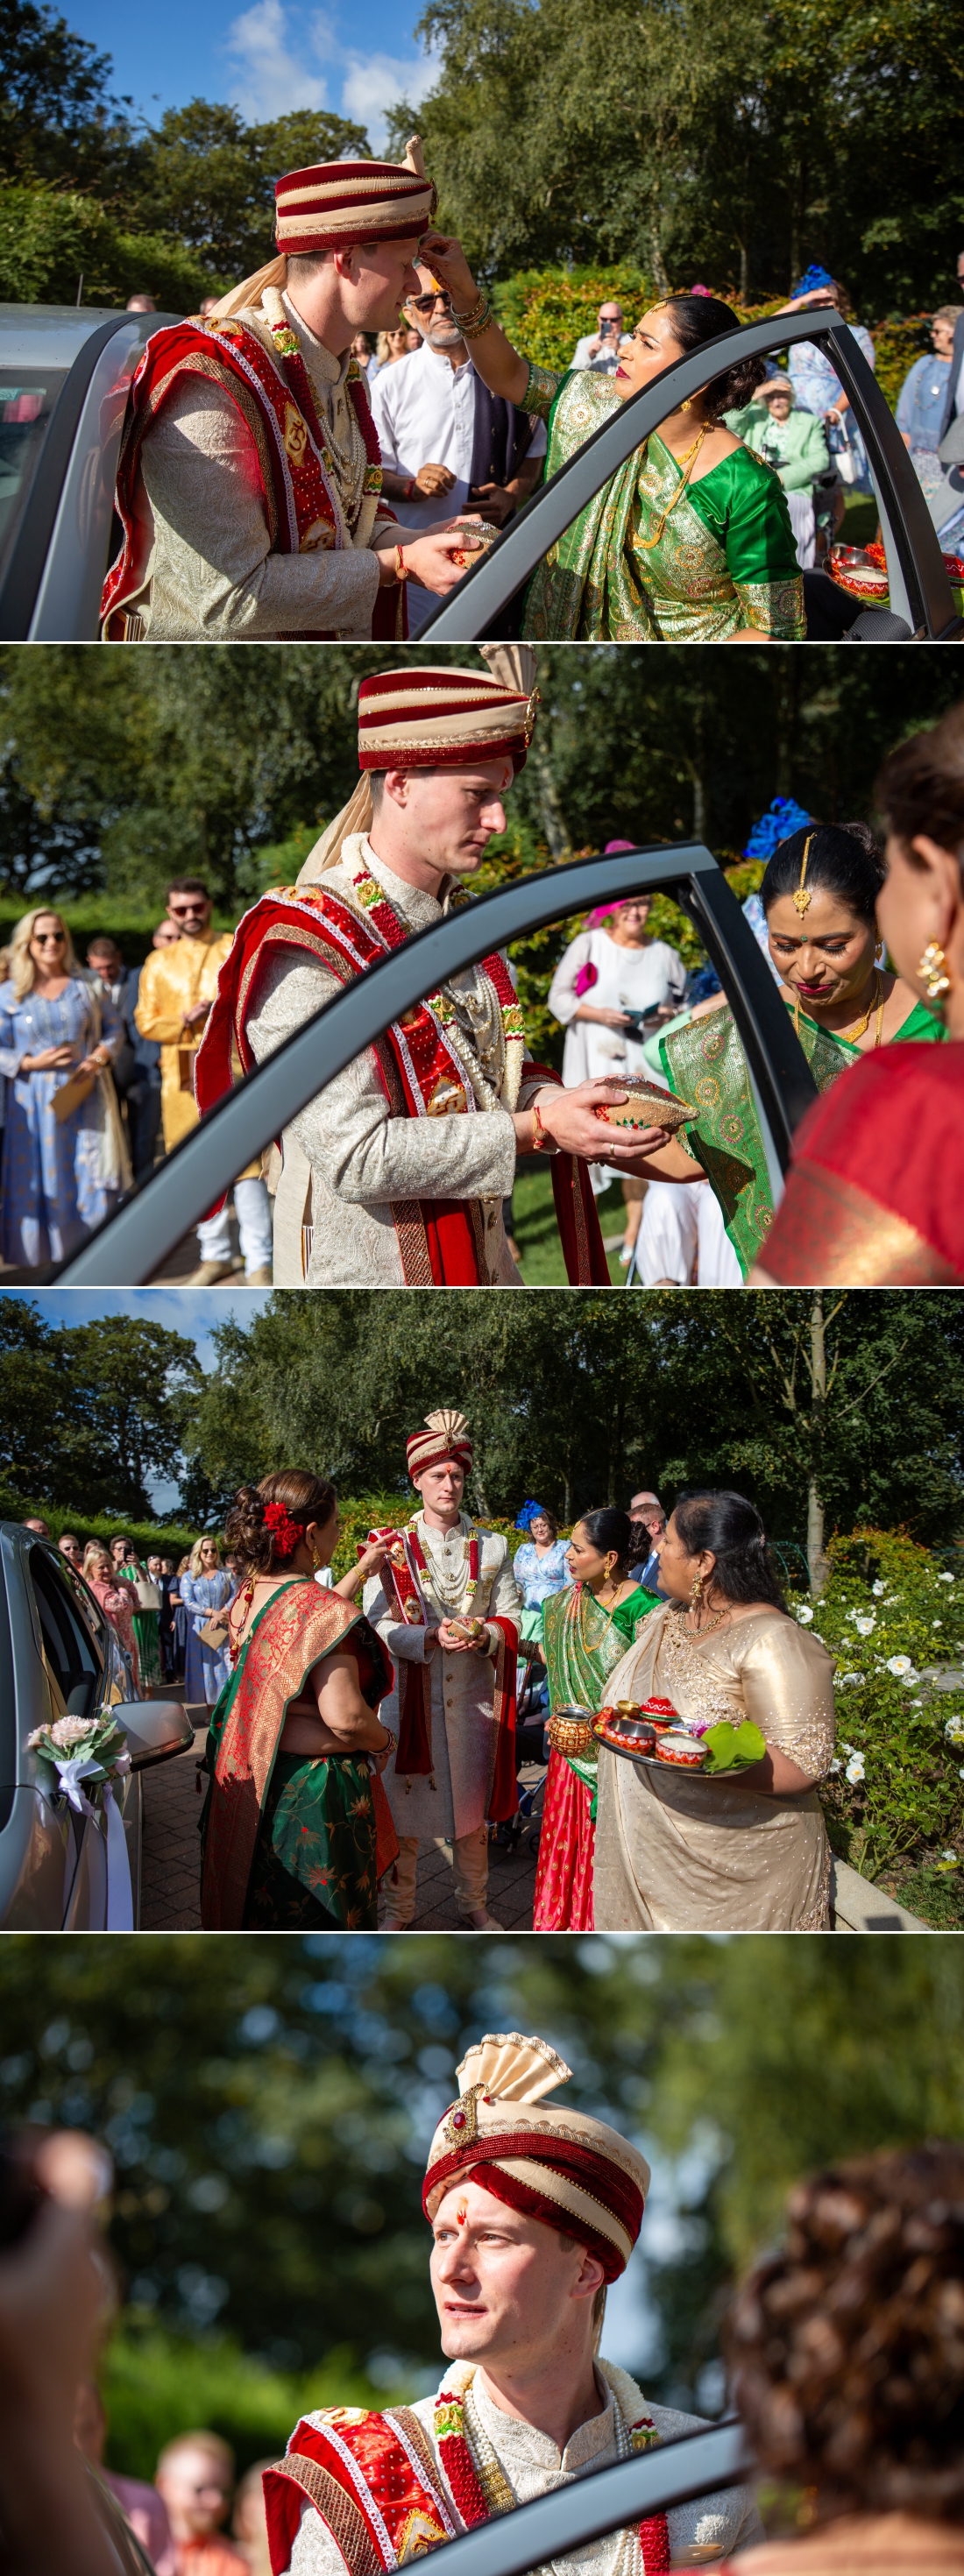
[148,1594]
[214,1634]
[71,1094]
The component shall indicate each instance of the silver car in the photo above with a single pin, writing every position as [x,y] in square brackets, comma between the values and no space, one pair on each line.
[59,1656]
[65,376]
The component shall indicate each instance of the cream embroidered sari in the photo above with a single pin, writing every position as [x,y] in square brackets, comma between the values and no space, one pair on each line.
[681,1854]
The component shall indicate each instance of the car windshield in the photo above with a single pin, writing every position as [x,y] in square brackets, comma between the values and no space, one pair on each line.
[27,398]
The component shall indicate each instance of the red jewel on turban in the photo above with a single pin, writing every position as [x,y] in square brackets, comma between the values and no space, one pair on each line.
[285,1534]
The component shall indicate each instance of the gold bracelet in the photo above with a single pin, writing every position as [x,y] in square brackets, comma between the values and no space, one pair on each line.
[480,306]
[474,330]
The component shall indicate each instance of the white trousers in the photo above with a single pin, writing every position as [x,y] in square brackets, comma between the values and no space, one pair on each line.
[252,1208]
[470,1865]
[804,525]
[682,1222]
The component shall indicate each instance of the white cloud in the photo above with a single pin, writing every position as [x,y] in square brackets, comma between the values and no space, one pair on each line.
[270,80]
[278,68]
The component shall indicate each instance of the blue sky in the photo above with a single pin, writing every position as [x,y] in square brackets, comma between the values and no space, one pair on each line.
[266,58]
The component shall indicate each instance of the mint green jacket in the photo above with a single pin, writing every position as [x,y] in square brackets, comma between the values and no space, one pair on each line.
[796,446]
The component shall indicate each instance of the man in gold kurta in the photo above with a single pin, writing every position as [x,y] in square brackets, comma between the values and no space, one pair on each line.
[177,988]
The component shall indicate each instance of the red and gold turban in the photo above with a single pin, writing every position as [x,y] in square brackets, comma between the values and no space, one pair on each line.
[425,719]
[557,2164]
[446,1435]
[339,204]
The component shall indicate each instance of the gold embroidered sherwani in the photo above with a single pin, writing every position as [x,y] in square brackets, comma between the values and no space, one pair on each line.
[718,2525]
[172,980]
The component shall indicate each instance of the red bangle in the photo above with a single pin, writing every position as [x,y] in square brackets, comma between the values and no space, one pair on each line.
[401,567]
[409,488]
[541,1143]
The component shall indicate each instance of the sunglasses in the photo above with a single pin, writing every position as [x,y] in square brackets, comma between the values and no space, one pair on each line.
[48,938]
[186,911]
[426,303]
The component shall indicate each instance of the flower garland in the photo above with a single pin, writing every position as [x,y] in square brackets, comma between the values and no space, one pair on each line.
[480,2488]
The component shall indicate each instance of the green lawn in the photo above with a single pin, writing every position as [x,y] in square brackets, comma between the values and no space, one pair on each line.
[859,520]
[537,1234]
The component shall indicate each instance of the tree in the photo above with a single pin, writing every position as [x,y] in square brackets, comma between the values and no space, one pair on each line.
[582,1399]
[739,148]
[204,758]
[57,118]
[207,179]
[94,1412]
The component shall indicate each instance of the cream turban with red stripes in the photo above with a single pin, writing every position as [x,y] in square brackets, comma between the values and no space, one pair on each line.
[428,719]
[550,2162]
[445,1435]
[338,204]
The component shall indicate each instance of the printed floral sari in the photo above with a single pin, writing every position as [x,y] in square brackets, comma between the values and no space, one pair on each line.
[640,565]
[583,1646]
[705,1063]
[293,1841]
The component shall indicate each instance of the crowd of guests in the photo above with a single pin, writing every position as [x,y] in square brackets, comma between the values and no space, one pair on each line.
[96,1080]
[179,2518]
[164,1611]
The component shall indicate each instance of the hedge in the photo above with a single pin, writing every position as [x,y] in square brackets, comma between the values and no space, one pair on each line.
[50,239]
[153,1538]
[156,2384]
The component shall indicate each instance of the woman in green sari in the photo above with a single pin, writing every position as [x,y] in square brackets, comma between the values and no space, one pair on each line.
[690,542]
[296,1830]
[819,894]
[586,1632]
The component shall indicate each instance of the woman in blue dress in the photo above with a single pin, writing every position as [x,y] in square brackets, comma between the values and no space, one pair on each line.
[205,1592]
[922,399]
[540,1568]
[60,1175]
[818,388]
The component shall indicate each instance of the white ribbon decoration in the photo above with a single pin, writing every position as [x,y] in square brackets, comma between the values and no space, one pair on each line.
[118,1894]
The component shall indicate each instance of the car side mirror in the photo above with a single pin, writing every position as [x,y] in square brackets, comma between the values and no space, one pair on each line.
[156,1730]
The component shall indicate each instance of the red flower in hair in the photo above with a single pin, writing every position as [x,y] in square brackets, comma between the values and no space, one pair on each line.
[286,1534]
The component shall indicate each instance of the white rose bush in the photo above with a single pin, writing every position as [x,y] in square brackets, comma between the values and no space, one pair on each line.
[894,1801]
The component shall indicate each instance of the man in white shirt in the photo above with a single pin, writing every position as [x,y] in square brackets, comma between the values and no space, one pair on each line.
[600,350]
[446,441]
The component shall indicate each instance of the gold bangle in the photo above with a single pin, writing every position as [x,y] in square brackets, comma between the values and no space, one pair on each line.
[474,330]
[541,1143]
[480,306]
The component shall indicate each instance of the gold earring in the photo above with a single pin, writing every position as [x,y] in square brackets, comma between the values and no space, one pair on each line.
[688,404]
[932,972]
[610,1562]
[696,1589]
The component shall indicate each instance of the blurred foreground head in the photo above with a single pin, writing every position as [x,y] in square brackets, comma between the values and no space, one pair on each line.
[847,2347]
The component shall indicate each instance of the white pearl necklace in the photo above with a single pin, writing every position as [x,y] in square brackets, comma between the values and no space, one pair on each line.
[446,1593]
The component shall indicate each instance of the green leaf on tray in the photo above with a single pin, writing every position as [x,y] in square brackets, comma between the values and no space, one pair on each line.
[733,1748]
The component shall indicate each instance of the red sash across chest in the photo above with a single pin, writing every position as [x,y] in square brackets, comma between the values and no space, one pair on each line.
[374,2481]
[272,391]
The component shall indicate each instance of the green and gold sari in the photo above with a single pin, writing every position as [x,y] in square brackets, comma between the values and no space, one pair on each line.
[723,559]
[705,1063]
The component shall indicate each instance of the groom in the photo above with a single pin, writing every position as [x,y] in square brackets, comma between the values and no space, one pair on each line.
[454,1703]
[249,477]
[534,2209]
[396,1174]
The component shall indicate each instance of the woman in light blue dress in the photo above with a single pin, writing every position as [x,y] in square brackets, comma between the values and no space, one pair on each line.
[922,398]
[205,1591]
[814,382]
[60,1176]
[540,1568]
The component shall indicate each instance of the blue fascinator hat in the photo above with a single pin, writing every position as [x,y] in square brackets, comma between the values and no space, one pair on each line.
[530,1512]
[781,819]
[811,279]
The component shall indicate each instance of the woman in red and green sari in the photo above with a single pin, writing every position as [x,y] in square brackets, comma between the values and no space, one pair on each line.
[690,541]
[296,1831]
[820,893]
[586,1632]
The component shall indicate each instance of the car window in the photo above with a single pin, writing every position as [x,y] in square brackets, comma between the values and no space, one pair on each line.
[69,1650]
[27,398]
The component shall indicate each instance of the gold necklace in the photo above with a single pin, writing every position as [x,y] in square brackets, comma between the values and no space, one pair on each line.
[876,1003]
[709,1624]
[581,1619]
[646,544]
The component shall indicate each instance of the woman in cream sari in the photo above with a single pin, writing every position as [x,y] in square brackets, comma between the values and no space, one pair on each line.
[676,1853]
[296,1830]
[690,542]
